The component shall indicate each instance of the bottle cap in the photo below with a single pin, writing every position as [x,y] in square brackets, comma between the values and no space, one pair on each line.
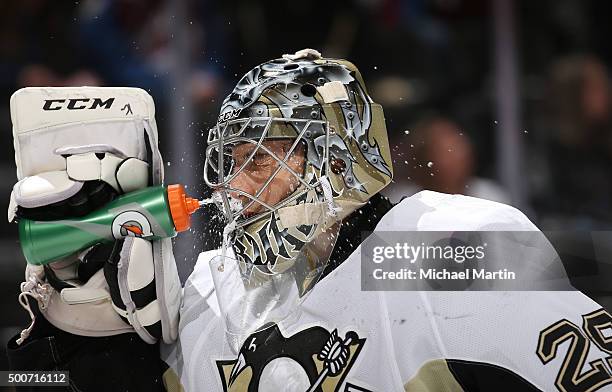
[181,206]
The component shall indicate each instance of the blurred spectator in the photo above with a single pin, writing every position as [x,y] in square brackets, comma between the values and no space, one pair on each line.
[437,156]
[131,43]
[580,149]
[42,75]
[38,46]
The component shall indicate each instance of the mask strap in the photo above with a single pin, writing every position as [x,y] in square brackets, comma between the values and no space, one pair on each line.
[332,207]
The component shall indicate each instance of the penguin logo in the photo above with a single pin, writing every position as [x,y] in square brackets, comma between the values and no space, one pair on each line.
[312,360]
[131,224]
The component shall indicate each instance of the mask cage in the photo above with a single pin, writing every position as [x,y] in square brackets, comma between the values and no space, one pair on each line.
[220,168]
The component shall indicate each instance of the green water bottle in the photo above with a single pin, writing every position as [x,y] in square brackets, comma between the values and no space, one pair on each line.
[149,213]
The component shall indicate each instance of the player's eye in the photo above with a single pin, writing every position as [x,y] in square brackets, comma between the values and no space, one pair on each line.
[240,157]
[262,159]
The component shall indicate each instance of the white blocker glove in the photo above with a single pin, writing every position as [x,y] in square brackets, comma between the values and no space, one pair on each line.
[76,149]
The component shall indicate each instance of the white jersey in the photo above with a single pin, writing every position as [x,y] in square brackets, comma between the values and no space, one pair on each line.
[345,339]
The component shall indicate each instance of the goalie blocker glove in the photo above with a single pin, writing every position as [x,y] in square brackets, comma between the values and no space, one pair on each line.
[71,162]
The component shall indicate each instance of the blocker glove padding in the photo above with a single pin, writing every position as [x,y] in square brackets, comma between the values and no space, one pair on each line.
[76,149]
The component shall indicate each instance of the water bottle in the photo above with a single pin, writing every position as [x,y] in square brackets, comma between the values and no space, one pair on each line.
[150,213]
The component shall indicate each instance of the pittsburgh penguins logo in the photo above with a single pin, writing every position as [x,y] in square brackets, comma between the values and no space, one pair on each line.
[131,224]
[312,360]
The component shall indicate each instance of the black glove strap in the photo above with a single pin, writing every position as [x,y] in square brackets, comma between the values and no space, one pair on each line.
[92,262]
[54,281]
[91,197]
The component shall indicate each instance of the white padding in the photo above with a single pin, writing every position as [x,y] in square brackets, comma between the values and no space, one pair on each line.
[132,174]
[83,167]
[168,288]
[44,189]
[146,316]
[123,174]
[36,151]
[88,319]
[311,54]
[47,118]
[108,167]
[12,208]
[79,295]
[311,213]
[141,270]
[88,167]
[28,110]
[333,92]
[301,214]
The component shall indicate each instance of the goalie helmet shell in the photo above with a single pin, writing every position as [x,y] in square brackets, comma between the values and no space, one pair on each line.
[323,104]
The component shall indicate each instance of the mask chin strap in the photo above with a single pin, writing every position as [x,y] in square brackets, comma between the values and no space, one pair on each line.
[332,208]
[228,234]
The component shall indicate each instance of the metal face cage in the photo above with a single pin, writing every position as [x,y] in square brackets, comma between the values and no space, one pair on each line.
[220,166]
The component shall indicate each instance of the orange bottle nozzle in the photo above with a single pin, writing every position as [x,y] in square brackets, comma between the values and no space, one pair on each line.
[192,205]
[181,206]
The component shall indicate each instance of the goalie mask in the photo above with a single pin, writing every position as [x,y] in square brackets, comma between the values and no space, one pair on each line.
[298,146]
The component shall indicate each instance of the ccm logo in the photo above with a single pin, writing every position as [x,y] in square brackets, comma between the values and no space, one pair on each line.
[77,103]
[228,115]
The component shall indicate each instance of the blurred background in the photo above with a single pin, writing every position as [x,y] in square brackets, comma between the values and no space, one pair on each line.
[499,99]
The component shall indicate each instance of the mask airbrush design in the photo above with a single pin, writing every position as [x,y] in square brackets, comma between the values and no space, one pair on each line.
[322,106]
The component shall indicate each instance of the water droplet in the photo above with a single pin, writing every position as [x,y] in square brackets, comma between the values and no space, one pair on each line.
[495,121]
[407,132]
[430,164]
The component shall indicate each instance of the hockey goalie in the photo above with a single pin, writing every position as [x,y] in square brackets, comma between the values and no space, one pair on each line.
[297,160]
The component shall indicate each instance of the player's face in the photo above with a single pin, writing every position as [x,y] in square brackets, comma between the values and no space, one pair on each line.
[261,167]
